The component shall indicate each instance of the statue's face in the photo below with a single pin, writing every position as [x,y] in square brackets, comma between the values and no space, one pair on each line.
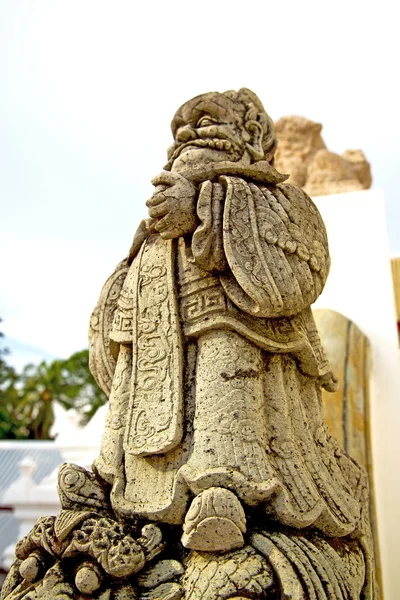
[209,128]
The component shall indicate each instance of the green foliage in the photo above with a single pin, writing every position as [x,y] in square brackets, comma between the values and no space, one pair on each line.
[27,398]
[10,426]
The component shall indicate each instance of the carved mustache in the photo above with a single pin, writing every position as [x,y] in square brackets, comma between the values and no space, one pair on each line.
[214,143]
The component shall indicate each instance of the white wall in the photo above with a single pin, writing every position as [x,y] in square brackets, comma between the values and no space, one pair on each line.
[360,287]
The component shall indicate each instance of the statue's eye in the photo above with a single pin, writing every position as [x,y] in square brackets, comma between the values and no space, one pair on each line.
[205,121]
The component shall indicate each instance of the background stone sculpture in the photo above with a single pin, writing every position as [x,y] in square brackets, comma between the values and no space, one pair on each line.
[347,410]
[395,265]
[217,476]
[302,153]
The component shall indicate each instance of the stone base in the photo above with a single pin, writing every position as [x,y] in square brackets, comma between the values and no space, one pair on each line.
[86,552]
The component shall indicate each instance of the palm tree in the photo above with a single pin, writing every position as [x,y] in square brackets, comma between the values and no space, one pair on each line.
[10,426]
[68,382]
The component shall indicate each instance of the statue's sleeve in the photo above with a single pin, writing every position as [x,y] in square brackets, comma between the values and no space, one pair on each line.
[207,240]
[111,320]
[276,247]
[109,309]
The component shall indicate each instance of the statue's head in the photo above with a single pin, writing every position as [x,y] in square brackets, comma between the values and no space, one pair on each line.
[215,127]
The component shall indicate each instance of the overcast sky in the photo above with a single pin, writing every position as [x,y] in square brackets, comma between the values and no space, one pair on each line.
[87,92]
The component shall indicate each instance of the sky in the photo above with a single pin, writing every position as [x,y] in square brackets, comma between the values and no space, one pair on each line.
[87,91]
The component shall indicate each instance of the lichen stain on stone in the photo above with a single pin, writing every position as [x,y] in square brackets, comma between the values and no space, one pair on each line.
[240,374]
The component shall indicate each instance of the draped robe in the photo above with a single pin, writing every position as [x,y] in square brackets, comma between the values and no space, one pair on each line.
[219,366]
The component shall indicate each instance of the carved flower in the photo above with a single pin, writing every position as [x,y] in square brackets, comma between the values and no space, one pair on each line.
[41,536]
[108,543]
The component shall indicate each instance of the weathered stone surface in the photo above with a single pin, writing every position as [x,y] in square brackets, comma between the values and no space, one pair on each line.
[88,579]
[217,476]
[347,410]
[395,264]
[161,572]
[302,153]
[214,522]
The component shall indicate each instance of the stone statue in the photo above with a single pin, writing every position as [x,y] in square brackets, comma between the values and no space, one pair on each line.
[302,153]
[217,476]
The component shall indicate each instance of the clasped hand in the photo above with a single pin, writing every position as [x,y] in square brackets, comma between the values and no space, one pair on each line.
[173,205]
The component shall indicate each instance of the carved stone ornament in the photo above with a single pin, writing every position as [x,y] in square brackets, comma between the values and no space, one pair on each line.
[217,476]
[302,153]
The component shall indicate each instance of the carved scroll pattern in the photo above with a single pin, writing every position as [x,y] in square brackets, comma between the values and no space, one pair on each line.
[156,400]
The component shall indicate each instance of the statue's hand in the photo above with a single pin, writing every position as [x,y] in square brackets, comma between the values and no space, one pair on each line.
[173,205]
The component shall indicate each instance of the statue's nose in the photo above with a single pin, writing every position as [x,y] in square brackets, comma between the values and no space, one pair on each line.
[185,134]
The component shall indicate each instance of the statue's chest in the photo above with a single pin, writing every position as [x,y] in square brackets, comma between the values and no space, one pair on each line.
[200,293]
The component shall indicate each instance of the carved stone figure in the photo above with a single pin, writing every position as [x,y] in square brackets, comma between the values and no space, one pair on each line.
[217,476]
[302,153]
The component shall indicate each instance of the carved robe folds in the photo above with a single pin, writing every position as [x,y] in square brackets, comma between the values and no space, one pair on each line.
[219,367]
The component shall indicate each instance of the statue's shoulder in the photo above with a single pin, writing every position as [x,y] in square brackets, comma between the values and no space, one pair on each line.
[298,196]
[276,246]
[302,213]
